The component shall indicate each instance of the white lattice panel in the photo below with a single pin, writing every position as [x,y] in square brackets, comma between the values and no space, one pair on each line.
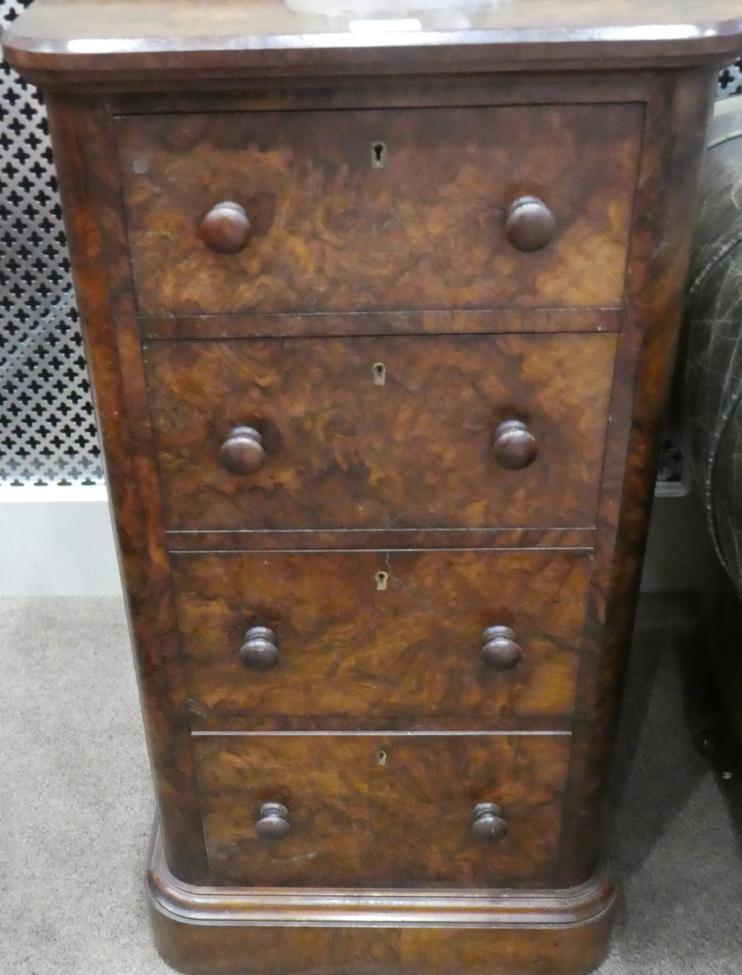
[730,80]
[47,431]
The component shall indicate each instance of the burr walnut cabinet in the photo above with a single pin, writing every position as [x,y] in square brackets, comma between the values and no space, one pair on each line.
[380,308]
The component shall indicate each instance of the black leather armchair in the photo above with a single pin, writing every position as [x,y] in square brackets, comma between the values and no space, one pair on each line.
[710,390]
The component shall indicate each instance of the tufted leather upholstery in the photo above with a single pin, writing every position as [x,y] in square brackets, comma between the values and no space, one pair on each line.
[710,368]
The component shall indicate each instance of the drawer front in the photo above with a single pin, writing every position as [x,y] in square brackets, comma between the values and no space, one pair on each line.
[367,810]
[379,640]
[377,210]
[393,433]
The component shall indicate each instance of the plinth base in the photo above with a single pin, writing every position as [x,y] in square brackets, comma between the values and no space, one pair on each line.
[292,931]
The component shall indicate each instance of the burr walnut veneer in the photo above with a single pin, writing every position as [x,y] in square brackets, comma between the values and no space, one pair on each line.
[380,309]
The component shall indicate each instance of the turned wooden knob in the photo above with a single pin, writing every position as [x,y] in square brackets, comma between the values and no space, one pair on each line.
[530,224]
[488,822]
[499,649]
[260,649]
[515,446]
[225,228]
[274,821]
[242,452]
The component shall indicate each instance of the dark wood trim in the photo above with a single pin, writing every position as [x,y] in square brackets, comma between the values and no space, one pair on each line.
[358,324]
[580,539]
[525,725]
[343,93]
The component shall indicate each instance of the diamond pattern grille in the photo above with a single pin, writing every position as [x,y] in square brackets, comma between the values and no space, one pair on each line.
[47,428]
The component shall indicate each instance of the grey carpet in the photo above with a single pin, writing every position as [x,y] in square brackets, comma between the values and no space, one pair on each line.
[77,809]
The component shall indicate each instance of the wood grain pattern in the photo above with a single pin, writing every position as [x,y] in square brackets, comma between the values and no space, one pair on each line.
[416,452]
[353,656]
[330,233]
[82,134]
[386,809]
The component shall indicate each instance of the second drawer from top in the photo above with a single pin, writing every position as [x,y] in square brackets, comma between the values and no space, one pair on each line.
[396,433]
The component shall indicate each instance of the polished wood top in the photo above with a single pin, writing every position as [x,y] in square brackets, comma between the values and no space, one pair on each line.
[111,38]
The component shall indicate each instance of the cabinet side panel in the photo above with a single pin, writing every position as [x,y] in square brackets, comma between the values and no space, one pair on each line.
[678,110]
[81,133]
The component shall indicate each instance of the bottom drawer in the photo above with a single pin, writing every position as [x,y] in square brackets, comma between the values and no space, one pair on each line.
[372,810]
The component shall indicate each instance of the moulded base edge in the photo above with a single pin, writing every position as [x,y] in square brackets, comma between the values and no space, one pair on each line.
[293,931]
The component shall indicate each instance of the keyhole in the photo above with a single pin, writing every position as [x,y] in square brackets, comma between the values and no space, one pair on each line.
[381,757]
[379,370]
[382,580]
[378,155]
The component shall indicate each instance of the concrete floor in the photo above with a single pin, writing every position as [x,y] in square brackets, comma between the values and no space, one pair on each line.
[77,809]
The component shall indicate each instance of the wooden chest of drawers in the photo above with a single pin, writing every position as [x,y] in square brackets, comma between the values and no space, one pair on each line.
[380,311]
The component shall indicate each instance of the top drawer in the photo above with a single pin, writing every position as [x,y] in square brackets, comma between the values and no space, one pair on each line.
[379,209]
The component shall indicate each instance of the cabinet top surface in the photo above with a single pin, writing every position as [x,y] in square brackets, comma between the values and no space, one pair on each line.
[110,36]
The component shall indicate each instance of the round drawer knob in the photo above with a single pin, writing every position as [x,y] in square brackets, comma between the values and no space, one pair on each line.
[274,821]
[499,649]
[488,823]
[225,228]
[530,225]
[260,650]
[515,446]
[242,452]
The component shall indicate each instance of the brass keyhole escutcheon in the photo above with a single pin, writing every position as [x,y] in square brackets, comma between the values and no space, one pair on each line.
[379,373]
[382,581]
